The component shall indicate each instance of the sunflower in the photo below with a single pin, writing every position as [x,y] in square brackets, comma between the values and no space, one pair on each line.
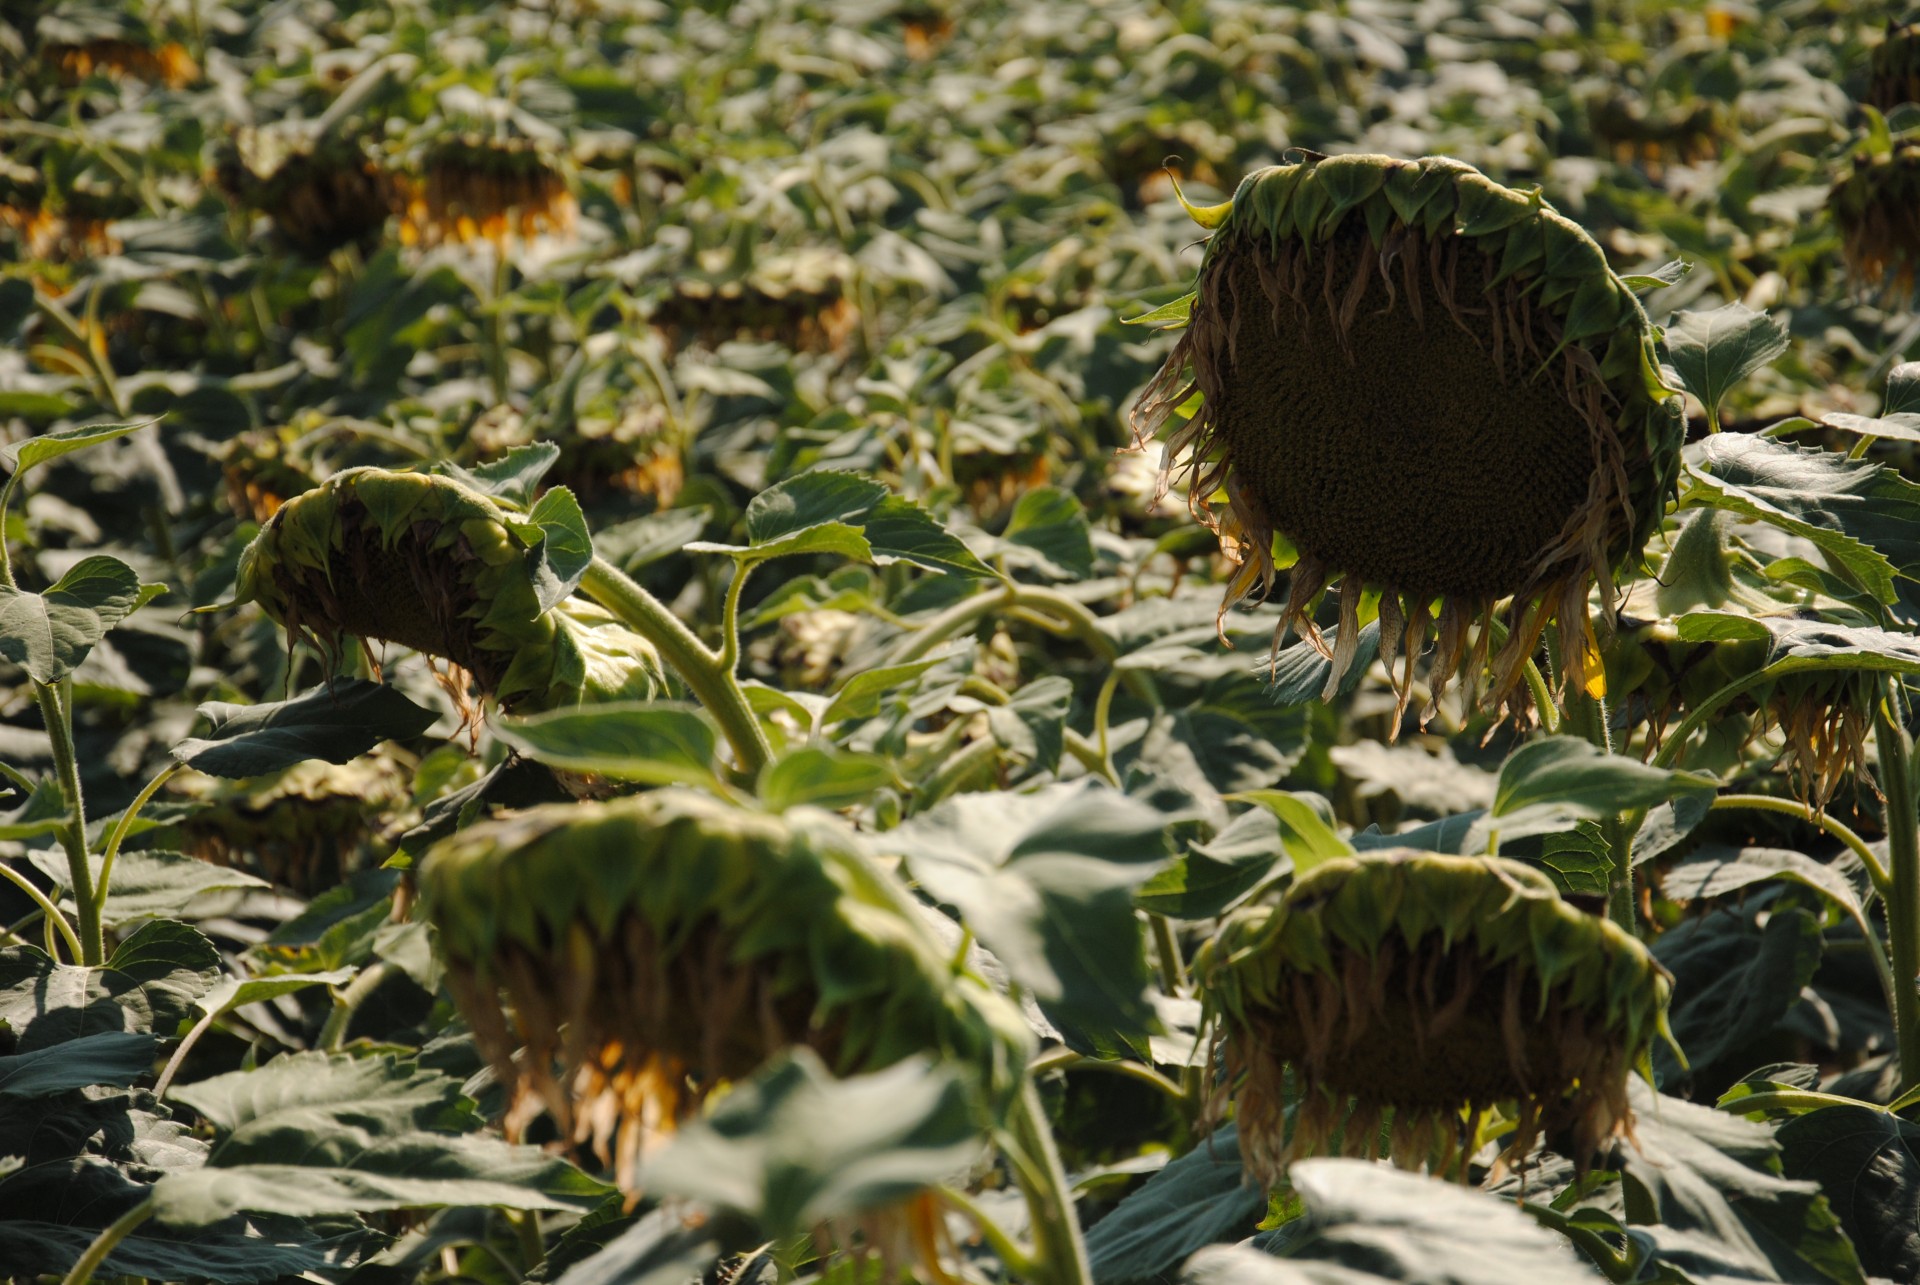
[320,196]
[1414,993]
[1893,74]
[305,828]
[1876,205]
[1434,388]
[475,188]
[648,950]
[802,300]
[433,565]
[1639,132]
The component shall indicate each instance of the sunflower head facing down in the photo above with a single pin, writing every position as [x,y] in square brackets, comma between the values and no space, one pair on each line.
[433,565]
[1876,206]
[1435,389]
[1893,73]
[1414,995]
[648,950]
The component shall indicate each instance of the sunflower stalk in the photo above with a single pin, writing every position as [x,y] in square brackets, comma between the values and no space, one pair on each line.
[56,711]
[1895,749]
[1059,1247]
[709,673]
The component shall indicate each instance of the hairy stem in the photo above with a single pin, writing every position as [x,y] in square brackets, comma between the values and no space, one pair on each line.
[713,682]
[47,908]
[1058,1245]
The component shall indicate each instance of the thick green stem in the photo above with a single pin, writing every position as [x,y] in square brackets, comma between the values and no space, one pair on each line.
[1018,1262]
[73,835]
[1903,891]
[713,682]
[1068,1060]
[106,1242]
[1058,1245]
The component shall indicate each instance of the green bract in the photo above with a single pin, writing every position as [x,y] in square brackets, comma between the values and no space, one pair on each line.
[1422,990]
[431,564]
[657,946]
[1431,385]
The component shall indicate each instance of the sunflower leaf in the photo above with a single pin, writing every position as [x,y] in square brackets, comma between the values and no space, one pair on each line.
[1713,351]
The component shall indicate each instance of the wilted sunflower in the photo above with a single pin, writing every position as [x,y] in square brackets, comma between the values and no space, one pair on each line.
[1432,386]
[652,948]
[305,828]
[87,42]
[1876,206]
[433,565]
[1824,716]
[1654,135]
[802,300]
[1415,992]
[320,195]
[1893,74]
[475,188]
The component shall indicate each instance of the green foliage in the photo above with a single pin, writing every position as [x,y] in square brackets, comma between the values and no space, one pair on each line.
[718,759]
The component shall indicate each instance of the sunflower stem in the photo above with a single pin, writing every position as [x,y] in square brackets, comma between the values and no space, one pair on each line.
[57,715]
[1903,859]
[106,1242]
[705,671]
[1059,1248]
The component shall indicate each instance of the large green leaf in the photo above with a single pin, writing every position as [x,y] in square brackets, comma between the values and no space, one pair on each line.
[1733,981]
[316,1134]
[1049,532]
[1210,877]
[655,742]
[793,1147]
[1372,1223]
[1703,1172]
[148,984]
[1716,870]
[110,1057]
[1713,351]
[1200,1199]
[234,1253]
[849,515]
[337,722]
[1795,645]
[512,479]
[659,1249]
[1552,783]
[1046,881]
[49,634]
[151,884]
[822,775]
[1864,517]
[1867,1164]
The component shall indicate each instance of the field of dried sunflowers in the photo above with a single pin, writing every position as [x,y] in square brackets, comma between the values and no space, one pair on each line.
[1332,702]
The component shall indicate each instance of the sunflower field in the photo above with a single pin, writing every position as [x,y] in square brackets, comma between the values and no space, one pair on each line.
[1033,642]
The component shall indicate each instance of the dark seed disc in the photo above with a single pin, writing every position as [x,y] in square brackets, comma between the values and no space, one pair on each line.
[1418,462]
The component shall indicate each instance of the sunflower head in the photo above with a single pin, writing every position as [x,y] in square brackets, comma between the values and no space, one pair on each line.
[1876,206]
[1434,388]
[320,195]
[305,828]
[475,188]
[433,565]
[1893,73]
[1414,992]
[649,949]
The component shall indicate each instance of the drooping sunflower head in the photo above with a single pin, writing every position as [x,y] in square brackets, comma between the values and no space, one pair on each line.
[1432,387]
[1876,206]
[81,42]
[1893,73]
[320,194]
[476,188]
[435,566]
[650,949]
[1414,993]
[306,828]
